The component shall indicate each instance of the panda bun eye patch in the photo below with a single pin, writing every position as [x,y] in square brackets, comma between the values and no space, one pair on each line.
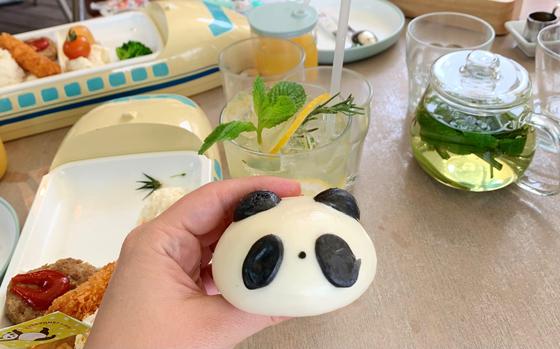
[255,202]
[340,200]
[337,261]
[262,262]
[296,256]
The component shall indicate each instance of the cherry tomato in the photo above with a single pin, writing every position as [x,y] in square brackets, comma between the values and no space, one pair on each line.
[76,46]
[82,30]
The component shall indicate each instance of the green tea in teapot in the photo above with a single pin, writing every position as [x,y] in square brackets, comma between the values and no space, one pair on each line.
[475,130]
[472,160]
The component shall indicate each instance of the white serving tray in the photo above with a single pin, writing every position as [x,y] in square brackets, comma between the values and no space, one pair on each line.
[515,28]
[85,209]
[110,32]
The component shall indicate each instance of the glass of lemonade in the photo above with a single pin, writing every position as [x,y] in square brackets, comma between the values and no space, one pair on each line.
[351,83]
[323,152]
[475,129]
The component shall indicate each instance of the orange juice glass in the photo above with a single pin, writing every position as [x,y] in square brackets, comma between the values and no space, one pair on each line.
[288,20]
[270,58]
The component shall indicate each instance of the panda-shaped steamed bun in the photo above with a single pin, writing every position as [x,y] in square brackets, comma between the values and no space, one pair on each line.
[296,256]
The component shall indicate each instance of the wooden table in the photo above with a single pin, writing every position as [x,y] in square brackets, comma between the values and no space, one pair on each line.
[456,269]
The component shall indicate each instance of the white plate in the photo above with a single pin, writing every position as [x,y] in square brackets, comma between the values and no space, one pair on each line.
[85,209]
[381,17]
[516,30]
[9,233]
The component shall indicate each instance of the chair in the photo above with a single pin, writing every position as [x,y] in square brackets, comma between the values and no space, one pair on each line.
[76,13]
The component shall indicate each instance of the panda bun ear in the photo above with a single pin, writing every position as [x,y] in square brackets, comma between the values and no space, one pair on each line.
[340,200]
[255,202]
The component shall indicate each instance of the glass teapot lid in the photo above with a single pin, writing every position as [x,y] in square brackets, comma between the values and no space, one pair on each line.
[481,79]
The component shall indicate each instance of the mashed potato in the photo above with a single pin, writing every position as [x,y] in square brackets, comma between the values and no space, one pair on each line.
[79,64]
[160,201]
[98,56]
[10,71]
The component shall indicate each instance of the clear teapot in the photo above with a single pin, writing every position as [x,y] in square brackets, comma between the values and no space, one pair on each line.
[475,130]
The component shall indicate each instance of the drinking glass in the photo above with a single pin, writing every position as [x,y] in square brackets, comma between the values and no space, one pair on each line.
[320,158]
[355,84]
[547,72]
[432,35]
[270,58]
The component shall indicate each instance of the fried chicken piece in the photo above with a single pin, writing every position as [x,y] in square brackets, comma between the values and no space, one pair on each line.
[27,58]
[86,298]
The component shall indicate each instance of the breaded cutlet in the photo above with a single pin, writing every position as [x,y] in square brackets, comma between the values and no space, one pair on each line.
[86,298]
[77,271]
[27,58]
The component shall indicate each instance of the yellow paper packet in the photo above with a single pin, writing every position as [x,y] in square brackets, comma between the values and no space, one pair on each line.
[45,329]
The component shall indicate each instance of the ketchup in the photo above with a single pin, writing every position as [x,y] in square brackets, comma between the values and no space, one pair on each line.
[38,44]
[50,284]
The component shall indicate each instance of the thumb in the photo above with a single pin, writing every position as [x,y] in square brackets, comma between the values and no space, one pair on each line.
[235,325]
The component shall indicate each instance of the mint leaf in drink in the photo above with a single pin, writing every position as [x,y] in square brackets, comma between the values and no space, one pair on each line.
[274,107]
[228,131]
[295,91]
[260,98]
[277,105]
[278,112]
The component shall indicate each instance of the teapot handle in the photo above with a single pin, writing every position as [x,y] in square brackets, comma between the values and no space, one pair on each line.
[544,179]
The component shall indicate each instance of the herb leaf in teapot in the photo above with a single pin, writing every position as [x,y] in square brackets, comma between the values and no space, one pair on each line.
[487,146]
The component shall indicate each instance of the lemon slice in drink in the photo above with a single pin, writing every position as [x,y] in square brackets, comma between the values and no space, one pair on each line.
[298,120]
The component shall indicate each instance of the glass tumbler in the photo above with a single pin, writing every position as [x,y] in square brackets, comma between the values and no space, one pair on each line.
[317,167]
[351,83]
[432,35]
[547,72]
[270,58]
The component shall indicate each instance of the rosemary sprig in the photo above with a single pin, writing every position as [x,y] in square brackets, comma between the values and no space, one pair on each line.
[150,184]
[182,174]
[346,107]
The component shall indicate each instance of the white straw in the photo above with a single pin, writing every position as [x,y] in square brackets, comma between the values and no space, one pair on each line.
[342,31]
[338,60]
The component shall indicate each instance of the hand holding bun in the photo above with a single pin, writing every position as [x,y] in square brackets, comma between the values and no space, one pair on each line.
[161,293]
